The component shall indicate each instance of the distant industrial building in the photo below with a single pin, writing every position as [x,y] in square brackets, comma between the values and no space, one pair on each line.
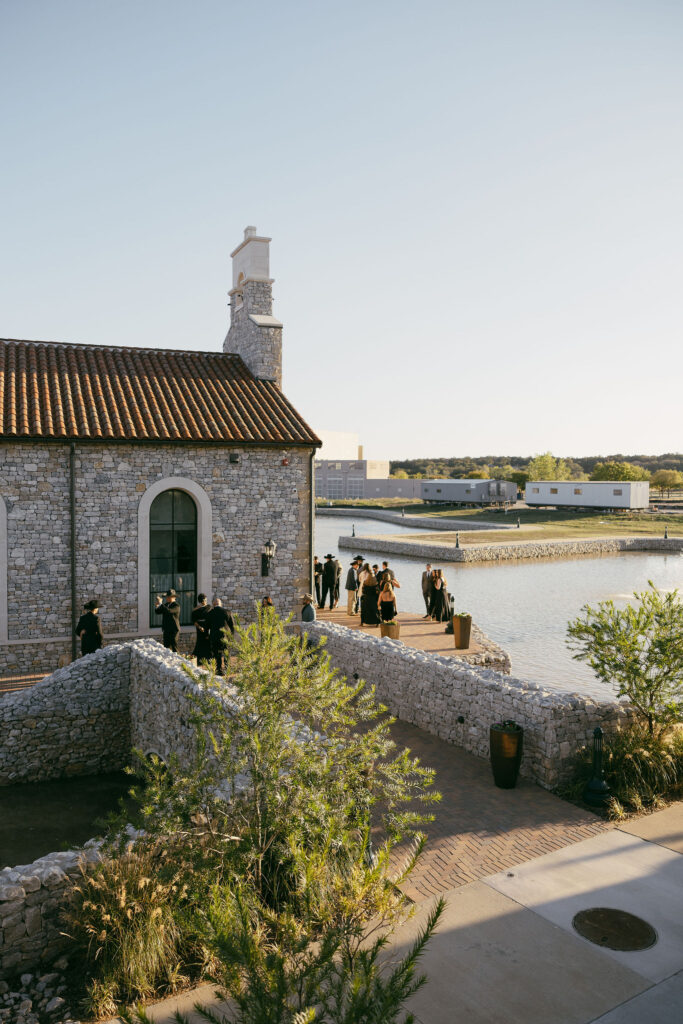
[350,479]
[469,492]
[588,493]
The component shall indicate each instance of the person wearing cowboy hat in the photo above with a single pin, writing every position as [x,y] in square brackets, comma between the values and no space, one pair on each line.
[329,580]
[89,629]
[308,610]
[170,623]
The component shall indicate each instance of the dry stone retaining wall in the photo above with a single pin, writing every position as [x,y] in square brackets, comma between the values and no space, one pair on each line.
[86,716]
[510,551]
[421,522]
[459,703]
[81,720]
[74,722]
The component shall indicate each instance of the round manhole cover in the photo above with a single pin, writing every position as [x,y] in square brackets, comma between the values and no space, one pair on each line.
[614,929]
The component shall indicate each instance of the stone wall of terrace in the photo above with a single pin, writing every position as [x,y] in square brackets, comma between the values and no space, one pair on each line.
[510,551]
[74,722]
[459,703]
[81,720]
[420,522]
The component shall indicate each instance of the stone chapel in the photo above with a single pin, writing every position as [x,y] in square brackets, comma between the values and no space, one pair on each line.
[127,471]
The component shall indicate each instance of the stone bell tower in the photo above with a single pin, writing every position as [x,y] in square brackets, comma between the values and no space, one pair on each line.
[254,333]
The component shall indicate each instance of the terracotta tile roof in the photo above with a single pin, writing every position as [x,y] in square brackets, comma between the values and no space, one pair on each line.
[97,392]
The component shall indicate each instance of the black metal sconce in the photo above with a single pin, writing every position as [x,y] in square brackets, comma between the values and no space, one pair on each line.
[267,553]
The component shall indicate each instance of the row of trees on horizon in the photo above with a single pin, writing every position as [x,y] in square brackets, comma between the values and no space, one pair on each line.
[664,472]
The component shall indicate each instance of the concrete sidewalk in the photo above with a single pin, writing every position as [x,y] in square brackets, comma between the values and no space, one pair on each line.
[506,953]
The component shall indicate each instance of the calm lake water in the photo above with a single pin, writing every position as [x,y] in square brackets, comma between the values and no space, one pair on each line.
[525,605]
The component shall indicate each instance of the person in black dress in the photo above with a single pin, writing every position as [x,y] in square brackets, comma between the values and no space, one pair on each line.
[441,606]
[202,644]
[89,629]
[218,620]
[369,613]
[170,623]
[387,603]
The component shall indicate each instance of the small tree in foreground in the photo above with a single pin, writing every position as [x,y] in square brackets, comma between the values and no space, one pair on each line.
[268,832]
[639,651]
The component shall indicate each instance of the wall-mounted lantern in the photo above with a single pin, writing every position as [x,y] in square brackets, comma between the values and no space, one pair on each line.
[267,553]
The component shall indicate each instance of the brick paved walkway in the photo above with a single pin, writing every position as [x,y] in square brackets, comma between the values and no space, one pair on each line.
[480,829]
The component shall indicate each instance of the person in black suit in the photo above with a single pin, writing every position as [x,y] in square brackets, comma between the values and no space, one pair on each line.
[89,629]
[202,646]
[170,622]
[218,620]
[427,589]
[329,580]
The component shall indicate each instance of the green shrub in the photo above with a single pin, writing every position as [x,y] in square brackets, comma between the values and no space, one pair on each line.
[126,925]
[639,651]
[640,768]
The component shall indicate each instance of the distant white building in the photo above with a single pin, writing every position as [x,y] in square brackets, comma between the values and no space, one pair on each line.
[588,493]
[469,492]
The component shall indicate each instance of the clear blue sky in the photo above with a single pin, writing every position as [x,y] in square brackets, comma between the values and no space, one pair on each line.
[476,208]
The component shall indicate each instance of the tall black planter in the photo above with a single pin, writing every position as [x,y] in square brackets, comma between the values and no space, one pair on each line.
[507,741]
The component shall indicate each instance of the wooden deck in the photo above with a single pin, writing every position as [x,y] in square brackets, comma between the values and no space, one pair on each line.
[416,631]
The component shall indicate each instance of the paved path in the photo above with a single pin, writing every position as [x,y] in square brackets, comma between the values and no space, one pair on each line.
[478,829]
[505,951]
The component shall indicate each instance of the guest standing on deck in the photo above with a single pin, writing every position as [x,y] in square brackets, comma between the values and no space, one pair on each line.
[202,644]
[218,620]
[170,623]
[427,589]
[387,603]
[369,615]
[441,607]
[88,629]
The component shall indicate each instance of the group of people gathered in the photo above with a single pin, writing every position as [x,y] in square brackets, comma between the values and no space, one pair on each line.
[210,622]
[370,591]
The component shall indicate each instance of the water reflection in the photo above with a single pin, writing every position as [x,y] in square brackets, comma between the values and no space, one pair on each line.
[522,605]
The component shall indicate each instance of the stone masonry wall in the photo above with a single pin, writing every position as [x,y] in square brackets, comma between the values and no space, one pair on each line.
[259,347]
[92,712]
[252,500]
[420,522]
[75,722]
[433,692]
[509,550]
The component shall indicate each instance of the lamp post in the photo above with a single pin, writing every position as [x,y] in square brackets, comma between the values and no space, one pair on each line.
[267,553]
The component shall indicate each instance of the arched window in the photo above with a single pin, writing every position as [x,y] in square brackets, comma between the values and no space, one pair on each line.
[173,551]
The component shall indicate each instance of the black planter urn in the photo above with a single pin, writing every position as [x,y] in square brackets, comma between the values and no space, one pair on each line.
[507,741]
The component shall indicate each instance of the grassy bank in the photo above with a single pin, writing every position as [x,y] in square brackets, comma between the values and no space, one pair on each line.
[545,524]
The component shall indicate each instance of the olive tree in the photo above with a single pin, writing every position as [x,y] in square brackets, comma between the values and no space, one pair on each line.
[639,651]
